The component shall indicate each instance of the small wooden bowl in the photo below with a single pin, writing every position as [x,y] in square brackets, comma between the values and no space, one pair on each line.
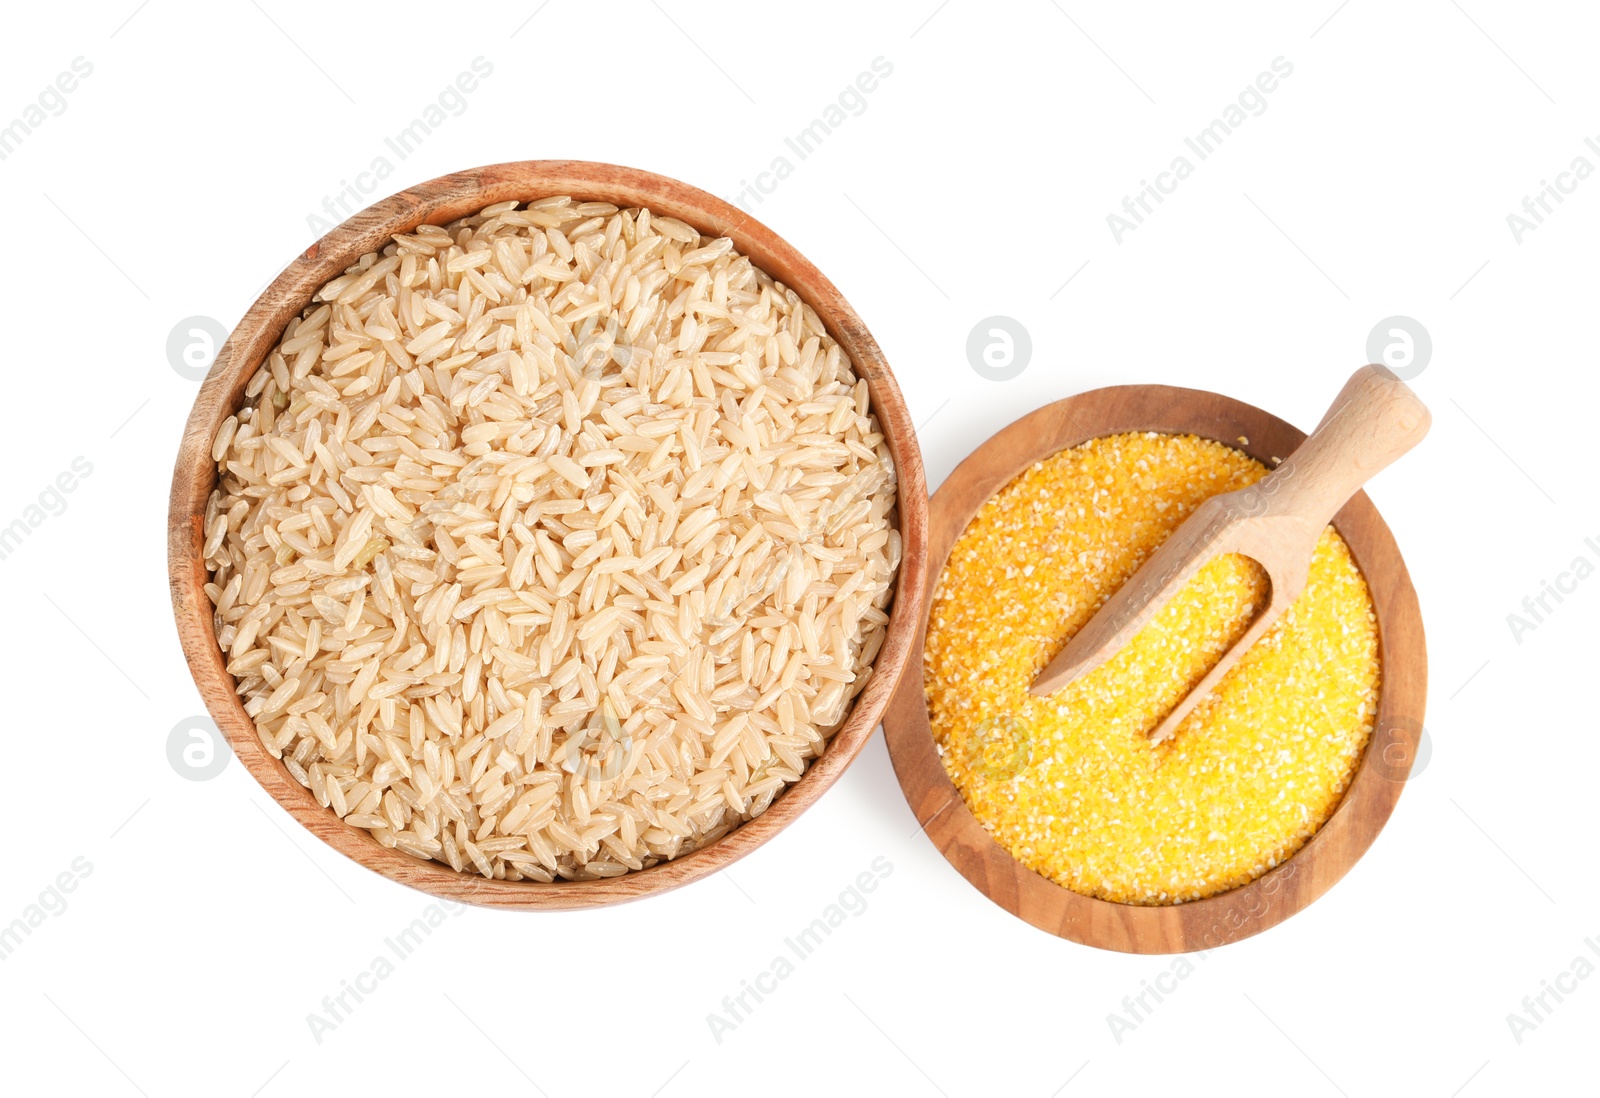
[1300,879]
[438,202]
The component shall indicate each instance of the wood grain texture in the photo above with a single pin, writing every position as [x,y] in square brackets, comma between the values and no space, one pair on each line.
[1379,779]
[437,202]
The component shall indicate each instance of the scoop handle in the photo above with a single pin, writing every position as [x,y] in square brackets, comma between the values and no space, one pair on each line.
[1374,419]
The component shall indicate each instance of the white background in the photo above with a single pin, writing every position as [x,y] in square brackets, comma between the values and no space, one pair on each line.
[178,181]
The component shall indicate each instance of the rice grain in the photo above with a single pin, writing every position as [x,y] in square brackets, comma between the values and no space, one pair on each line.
[553,542]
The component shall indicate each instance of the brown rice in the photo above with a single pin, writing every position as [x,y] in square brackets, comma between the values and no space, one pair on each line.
[553,542]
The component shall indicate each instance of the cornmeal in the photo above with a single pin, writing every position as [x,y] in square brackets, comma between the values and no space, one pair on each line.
[1070,784]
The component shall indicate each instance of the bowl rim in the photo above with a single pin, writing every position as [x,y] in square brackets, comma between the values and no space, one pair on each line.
[439,201]
[1367,802]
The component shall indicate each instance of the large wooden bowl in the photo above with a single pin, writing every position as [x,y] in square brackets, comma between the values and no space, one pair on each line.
[438,202]
[1367,803]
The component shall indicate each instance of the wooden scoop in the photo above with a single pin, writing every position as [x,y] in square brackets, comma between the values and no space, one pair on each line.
[1275,521]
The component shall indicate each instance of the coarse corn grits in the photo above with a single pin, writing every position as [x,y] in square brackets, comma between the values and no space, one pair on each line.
[1070,784]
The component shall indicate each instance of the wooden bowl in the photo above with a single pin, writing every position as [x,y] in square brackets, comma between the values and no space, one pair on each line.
[1294,883]
[438,202]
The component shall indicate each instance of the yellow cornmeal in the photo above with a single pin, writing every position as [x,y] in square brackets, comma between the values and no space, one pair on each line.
[1070,784]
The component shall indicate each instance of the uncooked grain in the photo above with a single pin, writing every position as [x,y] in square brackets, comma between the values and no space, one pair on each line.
[553,542]
[1070,784]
